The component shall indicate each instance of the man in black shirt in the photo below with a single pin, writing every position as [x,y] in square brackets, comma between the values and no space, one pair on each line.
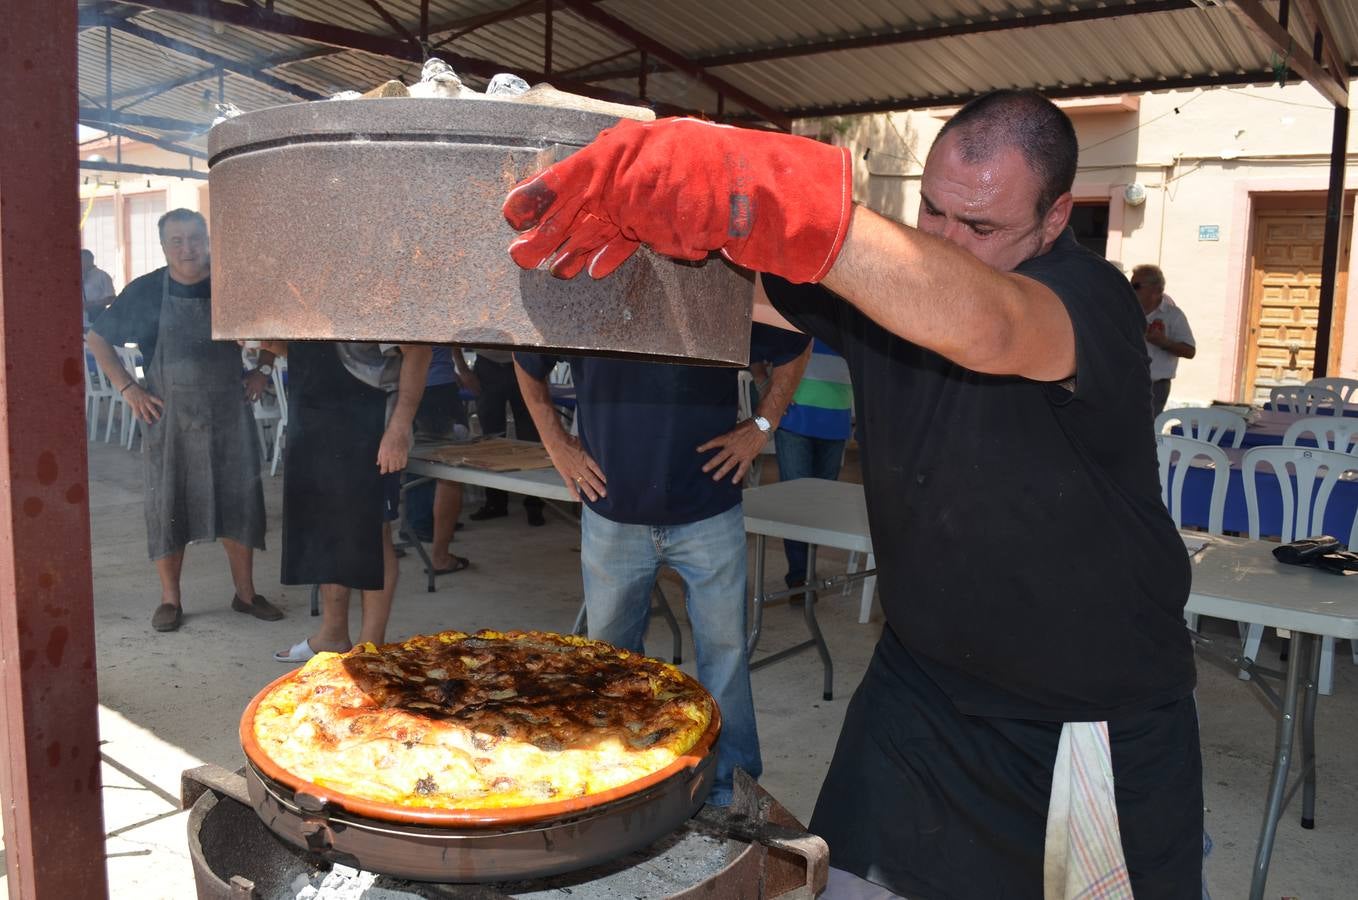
[1032,583]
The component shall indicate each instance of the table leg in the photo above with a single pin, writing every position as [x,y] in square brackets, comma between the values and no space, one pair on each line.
[1308,734]
[407,535]
[809,611]
[757,612]
[1282,761]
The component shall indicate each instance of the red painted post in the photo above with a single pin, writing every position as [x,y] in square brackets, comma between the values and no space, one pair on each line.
[49,749]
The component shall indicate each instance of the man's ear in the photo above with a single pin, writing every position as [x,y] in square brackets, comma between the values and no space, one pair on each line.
[1055,221]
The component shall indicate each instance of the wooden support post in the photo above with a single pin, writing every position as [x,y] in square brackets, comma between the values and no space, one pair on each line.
[1329,254]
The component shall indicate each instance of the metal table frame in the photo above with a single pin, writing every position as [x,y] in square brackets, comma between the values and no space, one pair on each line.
[819,513]
[1235,578]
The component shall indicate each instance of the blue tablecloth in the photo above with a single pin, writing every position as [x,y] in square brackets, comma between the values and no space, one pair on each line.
[1339,514]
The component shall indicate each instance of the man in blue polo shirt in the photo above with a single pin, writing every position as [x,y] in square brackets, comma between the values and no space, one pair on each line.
[659,467]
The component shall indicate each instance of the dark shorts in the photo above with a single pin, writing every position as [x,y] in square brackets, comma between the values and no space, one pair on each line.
[933,803]
[440,408]
[391,496]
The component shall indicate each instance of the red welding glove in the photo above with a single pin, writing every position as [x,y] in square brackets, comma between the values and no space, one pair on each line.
[769,202]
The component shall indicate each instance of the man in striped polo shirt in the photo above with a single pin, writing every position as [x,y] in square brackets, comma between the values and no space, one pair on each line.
[810,439]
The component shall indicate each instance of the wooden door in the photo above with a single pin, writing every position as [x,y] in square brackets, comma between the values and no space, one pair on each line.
[1285,296]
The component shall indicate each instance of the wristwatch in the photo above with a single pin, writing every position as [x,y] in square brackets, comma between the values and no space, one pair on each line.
[762,424]
[265,369]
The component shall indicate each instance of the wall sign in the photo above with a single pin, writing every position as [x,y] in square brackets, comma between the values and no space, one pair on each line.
[1209,232]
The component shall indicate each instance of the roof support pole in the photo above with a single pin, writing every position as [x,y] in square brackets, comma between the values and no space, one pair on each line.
[49,739]
[1329,257]
[547,41]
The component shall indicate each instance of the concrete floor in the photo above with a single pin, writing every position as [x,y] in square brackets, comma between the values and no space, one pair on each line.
[172,701]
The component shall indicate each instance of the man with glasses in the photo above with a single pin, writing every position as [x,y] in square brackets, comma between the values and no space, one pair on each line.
[1168,337]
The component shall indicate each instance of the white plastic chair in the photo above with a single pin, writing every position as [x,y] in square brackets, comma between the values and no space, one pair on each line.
[271,412]
[1344,387]
[1176,455]
[128,426]
[1338,433]
[1204,423]
[97,390]
[1303,509]
[1304,399]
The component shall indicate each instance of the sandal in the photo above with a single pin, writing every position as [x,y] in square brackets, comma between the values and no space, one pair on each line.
[299,652]
[459,563]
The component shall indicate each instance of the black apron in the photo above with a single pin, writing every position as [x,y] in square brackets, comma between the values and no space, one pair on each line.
[332,489]
[202,455]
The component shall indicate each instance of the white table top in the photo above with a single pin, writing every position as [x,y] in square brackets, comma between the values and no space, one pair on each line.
[1236,578]
[826,513]
[544,483]
[1233,578]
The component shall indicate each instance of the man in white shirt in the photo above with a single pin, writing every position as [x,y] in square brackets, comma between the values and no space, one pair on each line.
[96,287]
[1168,337]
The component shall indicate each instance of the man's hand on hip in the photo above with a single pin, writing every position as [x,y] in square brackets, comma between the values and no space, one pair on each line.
[145,405]
[770,202]
[736,449]
[583,476]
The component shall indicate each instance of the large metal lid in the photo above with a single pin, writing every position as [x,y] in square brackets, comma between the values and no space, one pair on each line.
[380,219]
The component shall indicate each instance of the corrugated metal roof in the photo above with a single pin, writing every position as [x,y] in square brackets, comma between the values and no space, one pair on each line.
[868,53]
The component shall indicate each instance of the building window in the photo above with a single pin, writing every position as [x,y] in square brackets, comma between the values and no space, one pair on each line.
[143,239]
[99,237]
[1089,221]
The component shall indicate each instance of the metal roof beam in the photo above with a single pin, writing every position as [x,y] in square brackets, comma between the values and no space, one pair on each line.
[1334,88]
[97,118]
[160,142]
[901,104]
[143,94]
[245,69]
[878,39]
[590,13]
[305,29]
[134,169]
[397,25]
[1315,16]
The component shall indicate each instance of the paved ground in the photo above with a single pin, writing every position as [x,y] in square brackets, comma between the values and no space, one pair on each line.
[172,701]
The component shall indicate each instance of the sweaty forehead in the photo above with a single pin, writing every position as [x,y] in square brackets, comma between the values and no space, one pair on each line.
[968,183]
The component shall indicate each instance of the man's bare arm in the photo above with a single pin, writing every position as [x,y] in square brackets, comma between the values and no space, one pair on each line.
[939,296]
[581,473]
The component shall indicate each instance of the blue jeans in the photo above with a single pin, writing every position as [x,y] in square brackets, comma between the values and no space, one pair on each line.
[804,457]
[619,563]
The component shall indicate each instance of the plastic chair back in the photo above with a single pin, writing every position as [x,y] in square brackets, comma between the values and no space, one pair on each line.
[1303,504]
[1176,454]
[1204,423]
[1344,387]
[1336,433]
[1304,399]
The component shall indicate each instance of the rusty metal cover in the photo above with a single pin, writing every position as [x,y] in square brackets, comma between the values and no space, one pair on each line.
[380,220]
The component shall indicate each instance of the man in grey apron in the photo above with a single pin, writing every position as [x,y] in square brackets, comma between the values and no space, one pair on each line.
[202,451]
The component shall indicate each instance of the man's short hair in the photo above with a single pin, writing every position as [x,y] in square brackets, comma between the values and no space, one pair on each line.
[1148,274]
[1028,122]
[86,255]
[180,215]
